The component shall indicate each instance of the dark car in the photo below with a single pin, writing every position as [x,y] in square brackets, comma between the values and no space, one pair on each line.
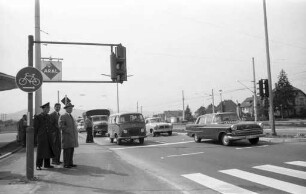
[224,127]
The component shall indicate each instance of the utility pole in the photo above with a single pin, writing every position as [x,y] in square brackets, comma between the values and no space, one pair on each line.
[183,106]
[271,113]
[137,106]
[213,101]
[255,95]
[38,93]
[221,104]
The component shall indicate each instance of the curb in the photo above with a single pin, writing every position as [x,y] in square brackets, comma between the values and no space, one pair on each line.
[10,153]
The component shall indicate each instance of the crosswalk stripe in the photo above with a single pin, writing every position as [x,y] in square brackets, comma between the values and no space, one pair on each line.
[281,170]
[297,163]
[270,182]
[215,184]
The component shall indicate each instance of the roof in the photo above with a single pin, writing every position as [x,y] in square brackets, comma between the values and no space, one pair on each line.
[248,102]
[7,82]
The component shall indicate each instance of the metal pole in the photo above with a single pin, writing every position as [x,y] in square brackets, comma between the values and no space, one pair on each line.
[38,93]
[117,98]
[183,106]
[30,129]
[221,101]
[213,103]
[271,115]
[255,95]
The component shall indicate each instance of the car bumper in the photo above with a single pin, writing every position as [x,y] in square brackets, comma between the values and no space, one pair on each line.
[162,130]
[132,137]
[230,137]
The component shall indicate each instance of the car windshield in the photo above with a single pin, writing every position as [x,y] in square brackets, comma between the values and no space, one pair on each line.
[226,118]
[131,118]
[155,120]
[100,118]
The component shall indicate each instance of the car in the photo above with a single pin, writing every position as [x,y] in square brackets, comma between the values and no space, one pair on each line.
[99,124]
[126,127]
[80,127]
[155,126]
[224,127]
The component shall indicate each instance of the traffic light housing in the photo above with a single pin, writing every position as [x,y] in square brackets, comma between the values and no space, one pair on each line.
[261,90]
[266,87]
[118,64]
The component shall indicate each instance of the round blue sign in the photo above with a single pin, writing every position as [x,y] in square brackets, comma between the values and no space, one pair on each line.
[29,79]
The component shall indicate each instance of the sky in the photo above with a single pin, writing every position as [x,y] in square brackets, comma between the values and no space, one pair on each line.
[173,47]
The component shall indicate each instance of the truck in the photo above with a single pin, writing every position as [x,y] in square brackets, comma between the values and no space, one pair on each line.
[99,118]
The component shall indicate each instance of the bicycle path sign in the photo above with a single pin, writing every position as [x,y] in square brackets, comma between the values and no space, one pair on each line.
[29,79]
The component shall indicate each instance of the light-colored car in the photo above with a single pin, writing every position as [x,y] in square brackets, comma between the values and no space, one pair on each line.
[126,127]
[155,126]
[80,127]
[225,127]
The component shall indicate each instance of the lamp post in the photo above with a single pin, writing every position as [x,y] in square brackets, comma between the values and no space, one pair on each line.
[117,90]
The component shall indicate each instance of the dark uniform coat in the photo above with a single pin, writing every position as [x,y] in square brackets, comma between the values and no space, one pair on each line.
[56,133]
[43,132]
[69,131]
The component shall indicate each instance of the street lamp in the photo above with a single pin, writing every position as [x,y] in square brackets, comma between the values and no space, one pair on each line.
[117,90]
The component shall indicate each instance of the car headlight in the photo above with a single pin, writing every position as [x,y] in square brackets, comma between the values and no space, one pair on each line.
[234,127]
[124,131]
[142,130]
[261,125]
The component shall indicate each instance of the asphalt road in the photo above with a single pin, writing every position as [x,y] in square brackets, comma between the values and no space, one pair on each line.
[209,167]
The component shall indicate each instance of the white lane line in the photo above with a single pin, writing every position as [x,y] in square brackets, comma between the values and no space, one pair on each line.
[156,145]
[184,154]
[297,163]
[281,170]
[269,182]
[215,184]
[262,146]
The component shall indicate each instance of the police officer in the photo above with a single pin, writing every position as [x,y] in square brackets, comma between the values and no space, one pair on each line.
[42,129]
[88,127]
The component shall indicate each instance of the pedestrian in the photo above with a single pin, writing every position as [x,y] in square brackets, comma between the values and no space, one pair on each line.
[22,127]
[43,132]
[56,134]
[69,131]
[88,127]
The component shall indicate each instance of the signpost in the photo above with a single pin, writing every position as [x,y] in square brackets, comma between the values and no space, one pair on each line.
[29,79]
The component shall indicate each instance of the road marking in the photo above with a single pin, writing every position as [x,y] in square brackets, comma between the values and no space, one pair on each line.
[284,171]
[297,163]
[184,154]
[215,184]
[156,145]
[269,182]
[262,146]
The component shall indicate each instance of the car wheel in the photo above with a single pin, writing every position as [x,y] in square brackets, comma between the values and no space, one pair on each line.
[169,133]
[154,134]
[111,140]
[141,140]
[225,140]
[196,138]
[254,141]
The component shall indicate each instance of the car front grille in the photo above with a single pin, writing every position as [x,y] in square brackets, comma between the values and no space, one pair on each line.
[163,126]
[134,131]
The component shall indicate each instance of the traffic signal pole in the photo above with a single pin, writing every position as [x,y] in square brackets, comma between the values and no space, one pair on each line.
[271,112]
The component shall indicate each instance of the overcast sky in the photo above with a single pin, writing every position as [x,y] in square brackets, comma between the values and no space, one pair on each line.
[172,46]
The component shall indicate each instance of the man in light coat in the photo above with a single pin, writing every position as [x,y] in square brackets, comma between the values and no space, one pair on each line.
[68,128]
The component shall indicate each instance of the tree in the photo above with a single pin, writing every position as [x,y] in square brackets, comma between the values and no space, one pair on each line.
[200,111]
[284,95]
[188,115]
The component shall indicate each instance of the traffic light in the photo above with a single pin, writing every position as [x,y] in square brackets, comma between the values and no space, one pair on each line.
[261,92]
[266,84]
[118,64]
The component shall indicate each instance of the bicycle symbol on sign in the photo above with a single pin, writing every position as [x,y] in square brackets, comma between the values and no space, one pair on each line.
[31,79]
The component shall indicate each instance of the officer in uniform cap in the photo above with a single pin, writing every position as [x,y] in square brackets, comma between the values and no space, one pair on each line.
[42,128]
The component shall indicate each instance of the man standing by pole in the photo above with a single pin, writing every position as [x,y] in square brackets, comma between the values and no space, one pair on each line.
[69,135]
[56,134]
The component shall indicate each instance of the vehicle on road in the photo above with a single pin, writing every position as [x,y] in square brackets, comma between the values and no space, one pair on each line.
[155,126]
[99,118]
[80,127]
[224,127]
[126,127]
